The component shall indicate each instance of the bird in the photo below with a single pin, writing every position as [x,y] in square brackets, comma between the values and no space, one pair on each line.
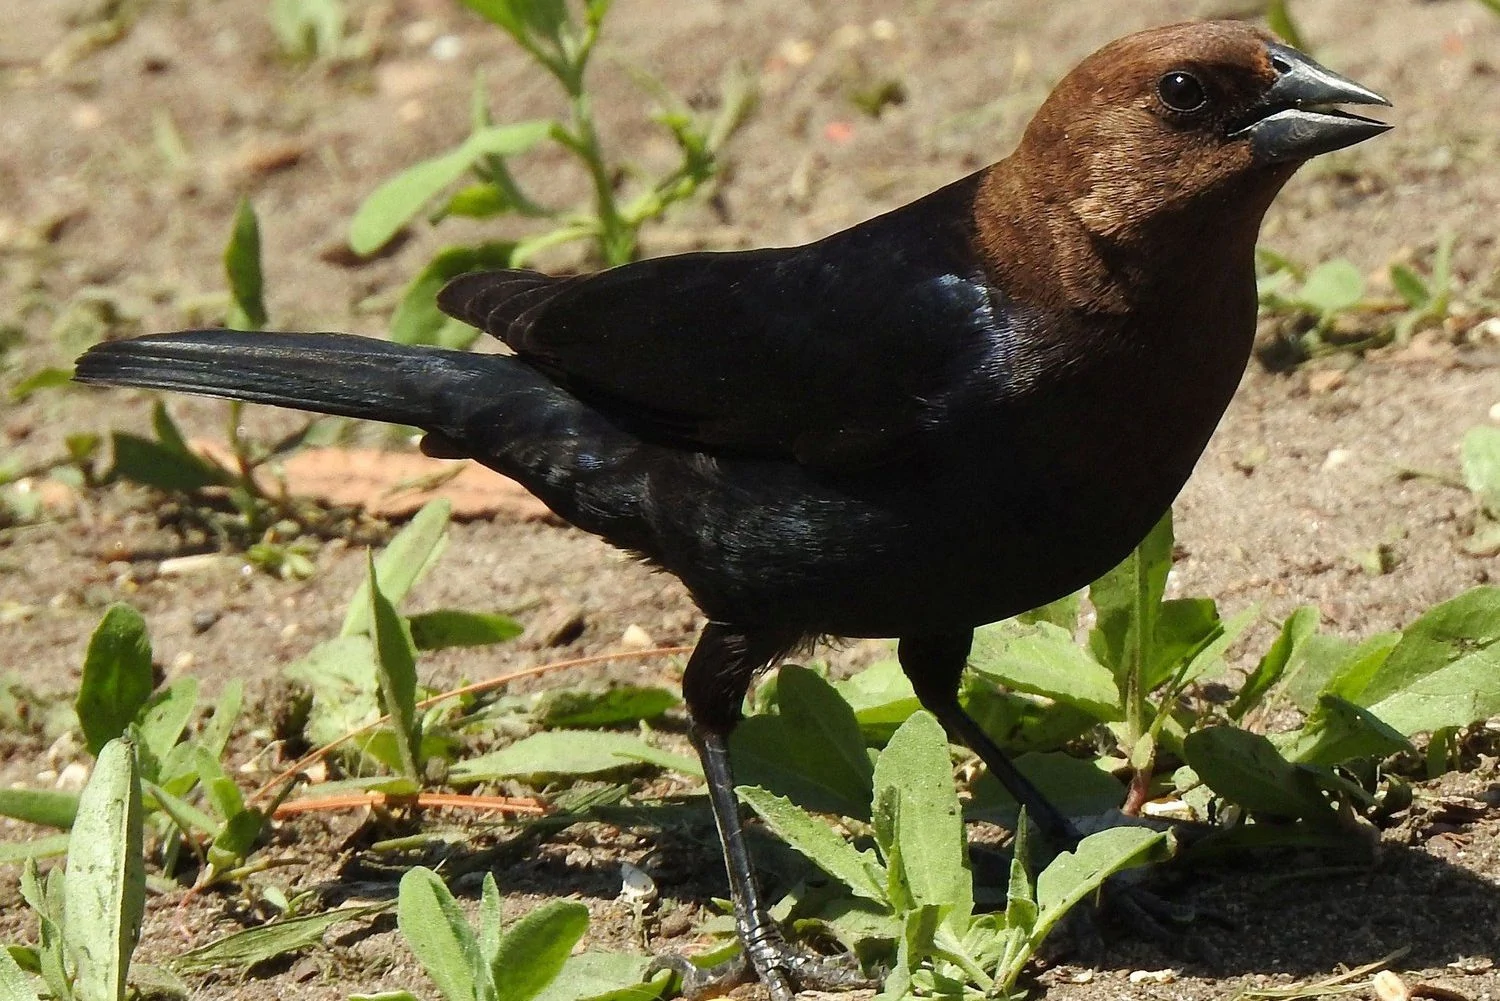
[943,416]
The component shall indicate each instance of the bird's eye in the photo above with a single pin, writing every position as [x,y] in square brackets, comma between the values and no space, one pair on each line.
[1181,91]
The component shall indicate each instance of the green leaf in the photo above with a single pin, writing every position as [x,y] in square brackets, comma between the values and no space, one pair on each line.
[307,29]
[418,319]
[151,464]
[533,949]
[341,675]
[1019,723]
[1126,601]
[1183,627]
[396,670]
[1043,659]
[1074,876]
[915,774]
[241,950]
[1338,731]
[439,936]
[1445,672]
[1207,660]
[1062,613]
[15,985]
[1329,665]
[46,899]
[574,707]
[1078,787]
[860,871]
[812,751]
[450,627]
[215,734]
[605,976]
[1302,623]
[1020,897]
[242,268]
[48,807]
[478,201]
[527,21]
[1279,20]
[1481,462]
[35,848]
[47,378]
[1246,768]
[1333,287]
[117,677]
[402,563]
[1460,634]
[882,698]
[1410,286]
[105,890]
[396,202]
[566,752]
[165,718]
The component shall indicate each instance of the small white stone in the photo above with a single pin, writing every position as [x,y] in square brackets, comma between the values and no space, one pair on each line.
[73,777]
[636,638]
[1336,457]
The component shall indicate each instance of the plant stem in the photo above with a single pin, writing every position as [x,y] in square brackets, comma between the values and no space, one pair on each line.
[616,238]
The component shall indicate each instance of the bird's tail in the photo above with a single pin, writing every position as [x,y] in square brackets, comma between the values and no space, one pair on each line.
[491,407]
[337,374]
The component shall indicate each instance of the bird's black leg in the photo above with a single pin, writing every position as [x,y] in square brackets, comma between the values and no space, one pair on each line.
[935,664]
[718,675]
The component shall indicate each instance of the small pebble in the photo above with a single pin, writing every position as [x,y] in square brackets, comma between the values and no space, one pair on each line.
[636,638]
[1335,458]
[73,777]
[1390,987]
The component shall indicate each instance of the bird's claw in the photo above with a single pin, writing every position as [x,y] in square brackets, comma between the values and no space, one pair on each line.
[783,968]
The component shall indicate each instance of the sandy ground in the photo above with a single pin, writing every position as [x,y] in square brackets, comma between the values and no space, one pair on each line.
[1300,483]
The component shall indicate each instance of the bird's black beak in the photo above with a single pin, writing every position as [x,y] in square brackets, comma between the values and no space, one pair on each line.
[1295,120]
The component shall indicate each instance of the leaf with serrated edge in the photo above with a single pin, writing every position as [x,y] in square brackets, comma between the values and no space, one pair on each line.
[861,871]
[915,769]
[1042,659]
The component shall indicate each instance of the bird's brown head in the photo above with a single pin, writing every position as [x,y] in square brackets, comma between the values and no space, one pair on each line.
[1188,128]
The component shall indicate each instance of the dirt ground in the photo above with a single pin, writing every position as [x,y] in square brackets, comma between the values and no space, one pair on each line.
[1299,486]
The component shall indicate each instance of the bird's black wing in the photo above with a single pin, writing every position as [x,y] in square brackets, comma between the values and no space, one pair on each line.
[841,352]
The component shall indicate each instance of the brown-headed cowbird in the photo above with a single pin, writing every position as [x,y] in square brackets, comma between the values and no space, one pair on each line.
[951,413]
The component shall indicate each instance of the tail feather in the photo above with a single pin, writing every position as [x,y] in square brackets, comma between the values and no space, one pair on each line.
[337,374]
[494,408]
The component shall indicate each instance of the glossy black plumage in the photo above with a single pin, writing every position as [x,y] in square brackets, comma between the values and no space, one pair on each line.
[953,412]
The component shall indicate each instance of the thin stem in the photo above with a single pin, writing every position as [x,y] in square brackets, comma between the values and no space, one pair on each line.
[616,238]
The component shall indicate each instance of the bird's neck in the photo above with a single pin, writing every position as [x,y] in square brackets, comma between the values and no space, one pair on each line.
[1110,248]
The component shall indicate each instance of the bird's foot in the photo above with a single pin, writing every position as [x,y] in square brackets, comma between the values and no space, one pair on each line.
[782,967]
